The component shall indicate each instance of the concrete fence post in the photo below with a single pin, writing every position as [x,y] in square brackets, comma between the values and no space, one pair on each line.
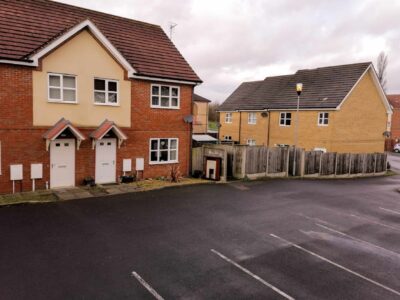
[302,162]
[351,156]
[287,161]
[267,164]
[336,161]
[320,164]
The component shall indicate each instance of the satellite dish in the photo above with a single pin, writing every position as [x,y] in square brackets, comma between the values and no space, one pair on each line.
[188,119]
[264,114]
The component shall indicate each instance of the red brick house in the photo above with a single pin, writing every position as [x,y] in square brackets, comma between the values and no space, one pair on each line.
[83,93]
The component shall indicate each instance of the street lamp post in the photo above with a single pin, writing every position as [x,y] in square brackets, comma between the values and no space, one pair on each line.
[299,89]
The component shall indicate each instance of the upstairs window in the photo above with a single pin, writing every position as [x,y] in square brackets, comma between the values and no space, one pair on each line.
[285,119]
[323,119]
[62,88]
[163,151]
[228,117]
[163,96]
[252,118]
[105,91]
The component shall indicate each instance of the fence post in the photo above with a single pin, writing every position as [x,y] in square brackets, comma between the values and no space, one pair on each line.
[244,157]
[336,155]
[375,163]
[320,164]
[302,162]
[266,168]
[351,156]
[385,161]
[287,161]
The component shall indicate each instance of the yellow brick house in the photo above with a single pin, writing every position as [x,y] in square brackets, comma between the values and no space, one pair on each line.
[342,109]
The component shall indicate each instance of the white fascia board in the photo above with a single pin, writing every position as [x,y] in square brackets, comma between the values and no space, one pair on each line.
[76,133]
[118,132]
[382,94]
[16,62]
[70,33]
[133,76]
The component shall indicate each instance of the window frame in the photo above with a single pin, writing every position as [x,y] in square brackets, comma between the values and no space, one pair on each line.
[251,142]
[320,120]
[169,96]
[106,91]
[252,118]
[228,120]
[169,161]
[285,118]
[61,87]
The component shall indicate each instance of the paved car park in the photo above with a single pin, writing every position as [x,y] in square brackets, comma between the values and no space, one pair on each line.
[275,239]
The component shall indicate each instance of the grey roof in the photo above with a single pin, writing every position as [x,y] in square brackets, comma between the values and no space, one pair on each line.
[198,98]
[322,88]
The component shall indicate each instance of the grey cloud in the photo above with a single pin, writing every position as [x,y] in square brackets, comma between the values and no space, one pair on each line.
[227,42]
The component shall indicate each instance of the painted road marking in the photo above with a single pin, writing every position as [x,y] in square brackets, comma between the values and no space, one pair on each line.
[252,275]
[376,222]
[147,286]
[312,219]
[337,265]
[356,239]
[390,210]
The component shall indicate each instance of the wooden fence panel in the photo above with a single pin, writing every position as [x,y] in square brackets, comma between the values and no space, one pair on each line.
[312,162]
[342,163]
[256,157]
[328,163]
[197,159]
[380,162]
[277,160]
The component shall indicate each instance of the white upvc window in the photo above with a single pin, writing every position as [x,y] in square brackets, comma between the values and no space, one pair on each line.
[62,88]
[323,119]
[251,142]
[228,117]
[164,150]
[252,118]
[164,96]
[285,119]
[105,91]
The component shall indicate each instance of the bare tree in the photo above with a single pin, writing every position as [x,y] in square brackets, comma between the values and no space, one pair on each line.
[381,63]
[212,111]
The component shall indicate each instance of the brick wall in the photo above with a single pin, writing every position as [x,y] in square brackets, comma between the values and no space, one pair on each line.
[21,143]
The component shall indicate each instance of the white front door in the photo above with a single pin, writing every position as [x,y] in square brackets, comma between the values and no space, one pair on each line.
[106,155]
[62,163]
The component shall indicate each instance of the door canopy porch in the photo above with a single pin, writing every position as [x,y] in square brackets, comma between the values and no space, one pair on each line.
[59,129]
[104,128]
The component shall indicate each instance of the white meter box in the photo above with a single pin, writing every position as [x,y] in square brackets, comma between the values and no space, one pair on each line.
[139,164]
[36,171]
[16,172]
[127,165]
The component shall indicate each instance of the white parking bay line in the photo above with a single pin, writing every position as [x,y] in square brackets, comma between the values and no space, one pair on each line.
[252,275]
[375,222]
[356,239]
[337,265]
[390,210]
[147,286]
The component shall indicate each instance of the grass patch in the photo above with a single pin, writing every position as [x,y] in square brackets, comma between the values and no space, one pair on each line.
[28,197]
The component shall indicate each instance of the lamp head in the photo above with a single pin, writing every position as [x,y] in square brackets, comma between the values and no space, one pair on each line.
[299,88]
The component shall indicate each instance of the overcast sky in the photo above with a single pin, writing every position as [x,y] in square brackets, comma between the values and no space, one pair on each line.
[230,41]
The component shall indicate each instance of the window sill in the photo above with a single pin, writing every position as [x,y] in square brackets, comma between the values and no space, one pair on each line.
[106,104]
[62,102]
[164,162]
[162,107]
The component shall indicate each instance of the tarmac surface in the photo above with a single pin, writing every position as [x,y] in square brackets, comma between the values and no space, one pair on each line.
[274,239]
